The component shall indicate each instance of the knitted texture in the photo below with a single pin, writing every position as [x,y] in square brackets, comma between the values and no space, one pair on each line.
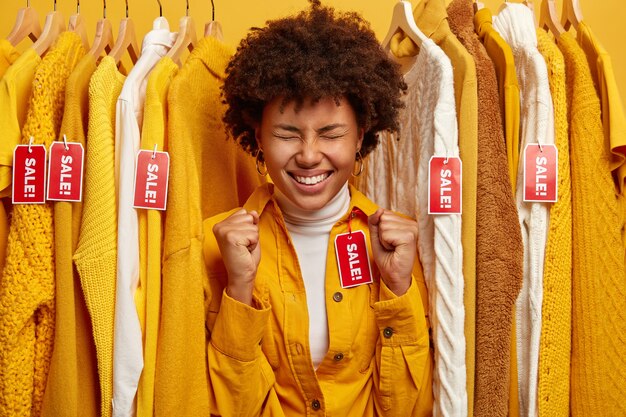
[439,137]
[96,255]
[27,308]
[499,248]
[151,233]
[598,368]
[516,25]
[72,388]
[208,175]
[431,18]
[556,311]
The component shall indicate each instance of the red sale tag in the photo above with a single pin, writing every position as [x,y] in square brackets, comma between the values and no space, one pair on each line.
[541,172]
[29,174]
[151,179]
[65,171]
[353,259]
[444,185]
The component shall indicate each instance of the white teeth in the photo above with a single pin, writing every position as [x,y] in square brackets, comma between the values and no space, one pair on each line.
[311,180]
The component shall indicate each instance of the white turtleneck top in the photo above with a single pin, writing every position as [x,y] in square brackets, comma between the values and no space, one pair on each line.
[309,232]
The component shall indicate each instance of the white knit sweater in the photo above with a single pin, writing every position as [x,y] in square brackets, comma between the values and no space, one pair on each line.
[396,175]
[516,25]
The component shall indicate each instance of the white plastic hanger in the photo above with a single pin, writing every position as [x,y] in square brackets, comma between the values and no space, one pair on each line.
[402,19]
[26,25]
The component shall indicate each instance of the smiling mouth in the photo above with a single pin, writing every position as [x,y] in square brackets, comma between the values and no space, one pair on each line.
[313,180]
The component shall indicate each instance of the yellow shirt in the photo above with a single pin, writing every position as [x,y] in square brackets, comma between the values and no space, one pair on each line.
[28,286]
[72,387]
[15,92]
[613,118]
[96,254]
[378,360]
[8,55]
[500,53]
[148,294]
[431,18]
[598,356]
[208,174]
[556,323]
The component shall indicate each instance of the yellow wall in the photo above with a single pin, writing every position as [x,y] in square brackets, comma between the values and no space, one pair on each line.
[607,18]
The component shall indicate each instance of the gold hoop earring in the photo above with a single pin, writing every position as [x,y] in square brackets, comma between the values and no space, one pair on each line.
[359,161]
[260,163]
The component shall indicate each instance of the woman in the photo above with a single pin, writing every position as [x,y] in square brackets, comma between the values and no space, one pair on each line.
[316,301]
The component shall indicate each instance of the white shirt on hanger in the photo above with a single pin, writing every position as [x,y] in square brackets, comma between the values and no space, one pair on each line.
[128,345]
[516,25]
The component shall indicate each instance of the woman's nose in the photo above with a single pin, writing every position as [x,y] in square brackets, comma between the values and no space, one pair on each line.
[309,154]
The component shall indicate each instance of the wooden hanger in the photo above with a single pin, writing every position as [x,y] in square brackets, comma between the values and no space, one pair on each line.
[26,25]
[126,40]
[402,19]
[103,41]
[79,26]
[213,28]
[52,28]
[548,19]
[186,38]
[572,14]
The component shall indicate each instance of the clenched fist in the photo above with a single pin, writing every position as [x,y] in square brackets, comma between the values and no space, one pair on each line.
[238,239]
[394,247]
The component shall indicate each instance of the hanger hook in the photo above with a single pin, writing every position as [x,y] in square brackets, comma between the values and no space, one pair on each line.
[187,10]
[212,11]
[160,8]
[77,6]
[104,9]
[126,9]
[55,5]
[27,3]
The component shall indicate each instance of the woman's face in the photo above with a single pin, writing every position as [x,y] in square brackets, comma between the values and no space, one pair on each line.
[309,154]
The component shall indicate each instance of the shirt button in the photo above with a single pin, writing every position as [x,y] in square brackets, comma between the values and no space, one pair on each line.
[338,357]
[388,332]
[316,405]
[337,296]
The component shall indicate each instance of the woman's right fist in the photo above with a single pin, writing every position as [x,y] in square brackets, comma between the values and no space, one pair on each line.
[237,237]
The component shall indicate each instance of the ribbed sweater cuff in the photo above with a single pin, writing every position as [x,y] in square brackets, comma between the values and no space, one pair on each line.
[239,328]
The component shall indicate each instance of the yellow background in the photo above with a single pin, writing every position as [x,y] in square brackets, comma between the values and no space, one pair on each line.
[607,18]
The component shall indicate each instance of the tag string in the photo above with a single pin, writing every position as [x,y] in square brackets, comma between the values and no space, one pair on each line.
[67,148]
[353,214]
[154,151]
[30,143]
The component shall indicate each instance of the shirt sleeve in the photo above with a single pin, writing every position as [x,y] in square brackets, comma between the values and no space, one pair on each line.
[240,376]
[403,372]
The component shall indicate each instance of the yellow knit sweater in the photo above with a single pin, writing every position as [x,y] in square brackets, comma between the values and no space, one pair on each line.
[555,342]
[72,389]
[598,368]
[148,294]
[208,175]
[27,307]
[96,254]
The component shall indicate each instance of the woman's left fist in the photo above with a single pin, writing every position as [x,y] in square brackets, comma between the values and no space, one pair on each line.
[394,247]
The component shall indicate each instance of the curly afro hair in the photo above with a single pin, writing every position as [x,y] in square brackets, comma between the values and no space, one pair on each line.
[315,54]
